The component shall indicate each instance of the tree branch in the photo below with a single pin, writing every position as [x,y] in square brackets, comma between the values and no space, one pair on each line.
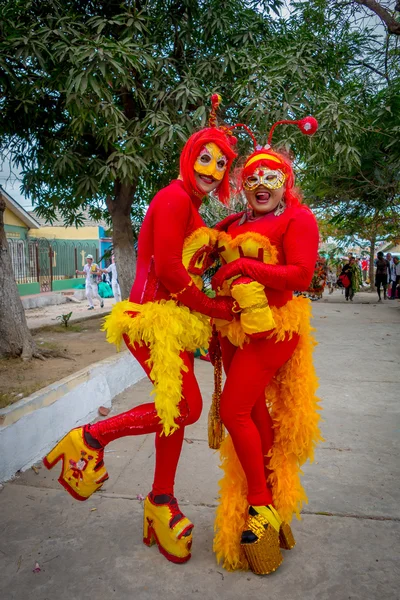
[386,59]
[385,16]
[372,68]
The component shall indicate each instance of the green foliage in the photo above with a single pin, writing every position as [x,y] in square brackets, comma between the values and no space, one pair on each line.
[64,319]
[359,199]
[98,95]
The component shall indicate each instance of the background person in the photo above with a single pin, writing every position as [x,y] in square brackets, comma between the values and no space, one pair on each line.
[395,273]
[331,278]
[112,270]
[91,272]
[389,271]
[381,275]
[346,276]
[364,269]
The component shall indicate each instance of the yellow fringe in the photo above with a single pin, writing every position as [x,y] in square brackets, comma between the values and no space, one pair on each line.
[167,329]
[294,408]
[198,243]
[232,512]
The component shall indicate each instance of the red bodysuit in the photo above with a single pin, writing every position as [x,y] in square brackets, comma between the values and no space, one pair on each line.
[293,236]
[171,219]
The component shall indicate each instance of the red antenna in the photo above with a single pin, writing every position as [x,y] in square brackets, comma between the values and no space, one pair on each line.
[248,130]
[308,126]
[215,102]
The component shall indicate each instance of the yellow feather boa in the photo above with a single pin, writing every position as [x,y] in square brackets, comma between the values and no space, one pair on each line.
[167,329]
[294,409]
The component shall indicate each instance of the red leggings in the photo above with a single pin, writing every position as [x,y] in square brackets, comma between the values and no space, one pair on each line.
[144,419]
[243,409]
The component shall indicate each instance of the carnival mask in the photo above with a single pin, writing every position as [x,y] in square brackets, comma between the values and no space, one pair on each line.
[272,180]
[211,162]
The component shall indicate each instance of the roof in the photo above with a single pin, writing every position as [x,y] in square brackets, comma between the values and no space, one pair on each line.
[29,219]
[59,221]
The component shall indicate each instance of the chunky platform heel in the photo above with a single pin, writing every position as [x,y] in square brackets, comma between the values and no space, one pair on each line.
[166,526]
[149,538]
[83,471]
[261,539]
[286,537]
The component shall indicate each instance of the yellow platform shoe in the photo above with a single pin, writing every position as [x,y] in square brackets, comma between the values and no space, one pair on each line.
[264,535]
[166,526]
[83,471]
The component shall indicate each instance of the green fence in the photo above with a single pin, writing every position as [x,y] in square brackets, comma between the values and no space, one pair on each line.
[42,265]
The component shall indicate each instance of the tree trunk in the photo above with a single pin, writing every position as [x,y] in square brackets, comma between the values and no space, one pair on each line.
[15,337]
[371,264]
[123,240]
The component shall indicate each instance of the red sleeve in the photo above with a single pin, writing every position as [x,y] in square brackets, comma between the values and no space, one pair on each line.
[171,216]
[300,245]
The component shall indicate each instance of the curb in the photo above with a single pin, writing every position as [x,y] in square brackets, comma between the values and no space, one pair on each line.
[31,427]
[78,319]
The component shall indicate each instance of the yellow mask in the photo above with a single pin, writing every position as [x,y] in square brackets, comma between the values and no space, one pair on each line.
[211,161]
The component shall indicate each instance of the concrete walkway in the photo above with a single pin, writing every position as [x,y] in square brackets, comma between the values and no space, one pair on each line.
[347,542]
[47,315]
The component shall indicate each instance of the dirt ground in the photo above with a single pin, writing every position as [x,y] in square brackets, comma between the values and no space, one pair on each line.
[83,343]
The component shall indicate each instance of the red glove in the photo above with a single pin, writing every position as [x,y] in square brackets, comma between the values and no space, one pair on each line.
[300,246]
[218,308]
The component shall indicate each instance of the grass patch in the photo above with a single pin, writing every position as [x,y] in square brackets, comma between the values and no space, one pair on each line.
[73,328]
[6,399]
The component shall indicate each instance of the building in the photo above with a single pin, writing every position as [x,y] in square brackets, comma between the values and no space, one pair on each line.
[17,222]
[392,247]
[46,256]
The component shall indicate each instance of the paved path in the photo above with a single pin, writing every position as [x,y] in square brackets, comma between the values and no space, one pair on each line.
[47,315]
[348,539]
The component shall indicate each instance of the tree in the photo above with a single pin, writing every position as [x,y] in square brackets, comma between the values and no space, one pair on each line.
[362,229]
[389,17]
[98,94]
[361,199]
[98,97]
[15,338]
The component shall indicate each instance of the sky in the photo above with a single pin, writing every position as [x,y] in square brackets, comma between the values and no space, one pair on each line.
[11,184]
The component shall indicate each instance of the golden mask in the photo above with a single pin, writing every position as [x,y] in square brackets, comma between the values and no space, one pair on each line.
[268,178]
[211,161]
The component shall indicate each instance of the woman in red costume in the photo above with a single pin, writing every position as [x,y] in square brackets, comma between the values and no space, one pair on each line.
[267,252]
[164,321]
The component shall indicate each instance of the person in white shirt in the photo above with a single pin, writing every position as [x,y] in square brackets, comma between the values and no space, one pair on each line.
[389,259]
[114,279]
[395,274]
[91,272]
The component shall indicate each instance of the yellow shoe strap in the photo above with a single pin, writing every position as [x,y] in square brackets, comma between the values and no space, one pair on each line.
[271,515]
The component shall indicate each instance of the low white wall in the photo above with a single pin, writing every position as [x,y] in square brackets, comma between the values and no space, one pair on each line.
[31,427]
[39,300]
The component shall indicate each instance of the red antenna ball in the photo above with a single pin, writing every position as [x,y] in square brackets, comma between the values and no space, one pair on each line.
[308,125]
